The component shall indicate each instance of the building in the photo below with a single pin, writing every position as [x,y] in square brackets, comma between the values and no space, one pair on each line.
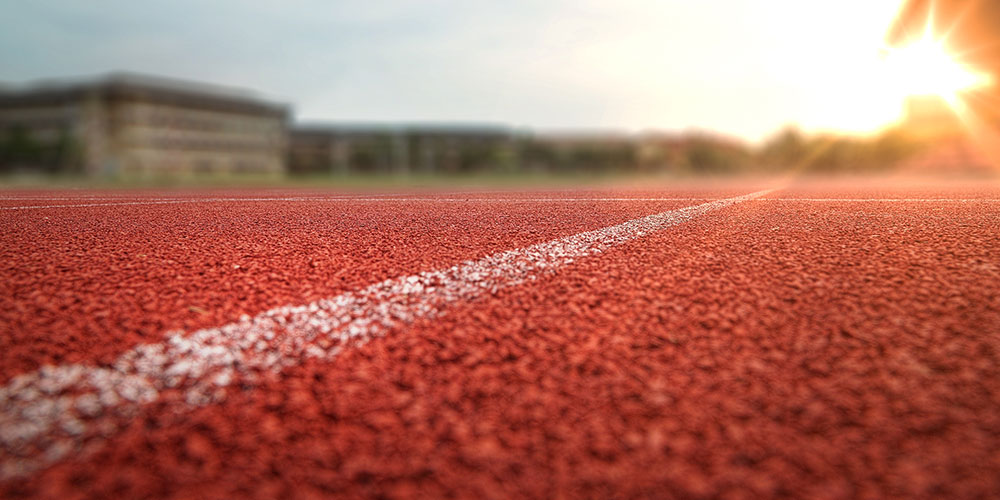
[132,124]
[341,148]
[414,148]
[580,151]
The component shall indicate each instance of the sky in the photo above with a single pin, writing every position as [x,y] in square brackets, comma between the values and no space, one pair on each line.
[739,67]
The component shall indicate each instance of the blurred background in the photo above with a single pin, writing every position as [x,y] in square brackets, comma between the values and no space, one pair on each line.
[334,90]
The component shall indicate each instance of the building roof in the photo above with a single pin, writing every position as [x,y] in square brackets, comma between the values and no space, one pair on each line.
[162,90]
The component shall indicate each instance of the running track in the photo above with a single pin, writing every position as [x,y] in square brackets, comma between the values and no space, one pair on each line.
[836,340]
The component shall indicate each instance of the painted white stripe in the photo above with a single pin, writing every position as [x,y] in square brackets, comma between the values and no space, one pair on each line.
[348,199]
[132,196]
[495,200]
[889,200]
[68,198]
[167,202]
[516,200]
[703,198]
[59,411]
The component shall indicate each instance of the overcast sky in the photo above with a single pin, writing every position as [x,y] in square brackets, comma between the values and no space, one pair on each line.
[741,67]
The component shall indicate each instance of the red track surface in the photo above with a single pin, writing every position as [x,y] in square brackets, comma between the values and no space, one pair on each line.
[796,346]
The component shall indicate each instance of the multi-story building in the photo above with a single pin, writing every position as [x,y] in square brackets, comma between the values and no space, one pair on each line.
[137,124]
[344,148]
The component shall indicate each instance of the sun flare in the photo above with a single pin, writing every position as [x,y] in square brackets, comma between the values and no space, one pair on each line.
[925,67]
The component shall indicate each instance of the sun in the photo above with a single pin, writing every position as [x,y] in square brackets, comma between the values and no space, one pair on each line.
[925,67]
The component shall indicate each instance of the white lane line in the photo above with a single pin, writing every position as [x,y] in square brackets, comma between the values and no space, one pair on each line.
[172,201]
[495,200]
[889,200]
[360,200]
[118,203]
[59,411]
[66,198]
[133,197]
[527,200]
[168,202]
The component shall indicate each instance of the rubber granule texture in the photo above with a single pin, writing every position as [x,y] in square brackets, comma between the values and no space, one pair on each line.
[776,348]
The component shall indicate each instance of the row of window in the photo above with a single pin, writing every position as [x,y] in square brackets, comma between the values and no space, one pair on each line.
[206,144]
[194,120]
